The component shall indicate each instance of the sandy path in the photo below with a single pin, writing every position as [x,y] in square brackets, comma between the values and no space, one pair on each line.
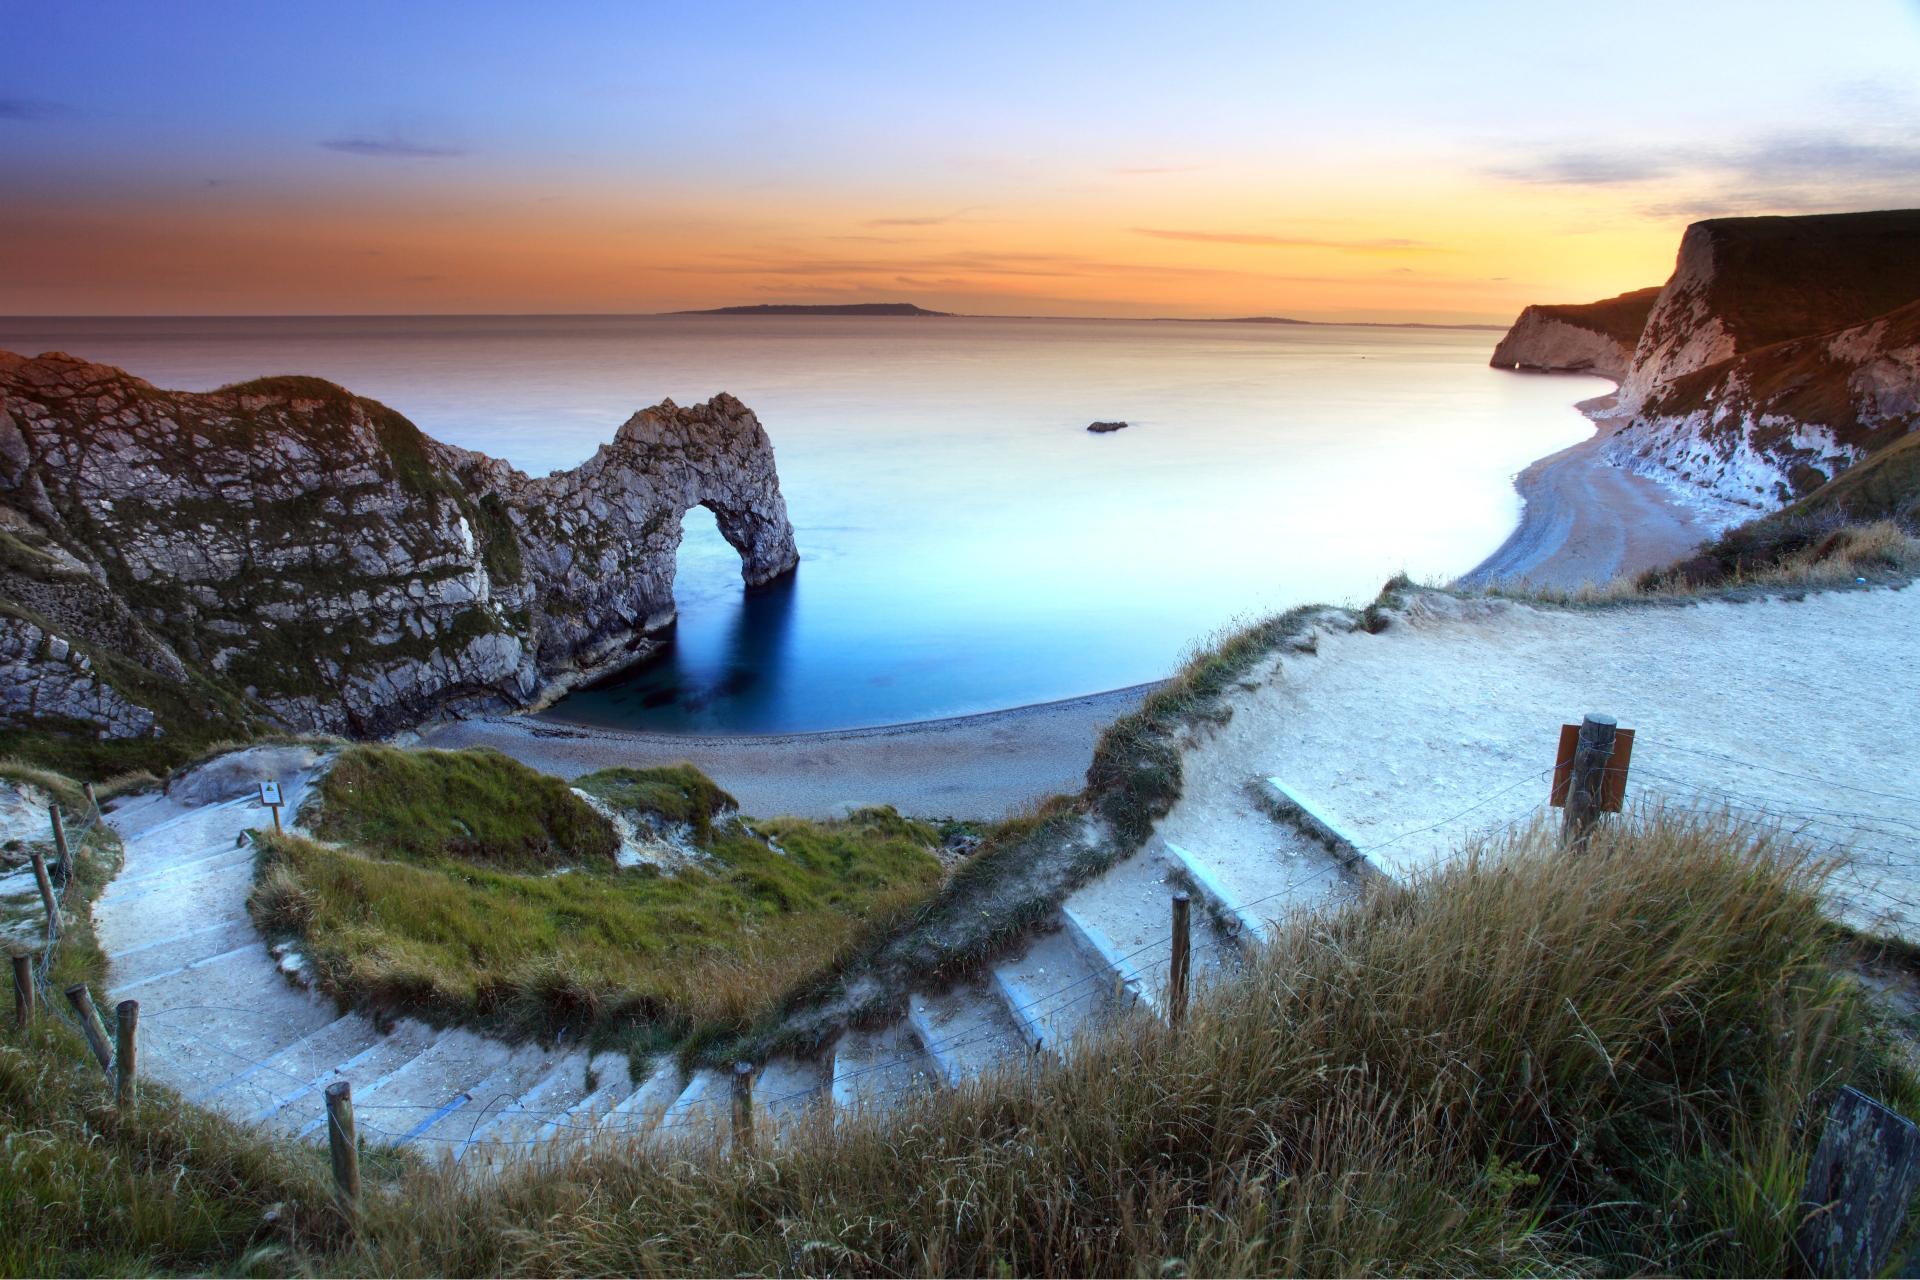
[1586,521]
[1444,724]
[984,766]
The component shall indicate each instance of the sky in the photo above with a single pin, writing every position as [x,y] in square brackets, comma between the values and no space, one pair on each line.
[1445,163]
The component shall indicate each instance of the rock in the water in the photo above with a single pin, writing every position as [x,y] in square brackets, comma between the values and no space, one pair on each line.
[288,546]
[1102,428]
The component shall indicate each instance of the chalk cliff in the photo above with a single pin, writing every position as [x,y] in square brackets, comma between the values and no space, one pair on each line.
[1783,354]
[1593,337]
[284,549]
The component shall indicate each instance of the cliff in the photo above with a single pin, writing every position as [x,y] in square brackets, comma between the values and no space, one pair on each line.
[1741,284]
[1782,356]
[1593,337]
[285,549]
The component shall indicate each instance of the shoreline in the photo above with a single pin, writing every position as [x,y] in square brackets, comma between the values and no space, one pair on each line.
[1582,520]
[1585,521]
[991,764]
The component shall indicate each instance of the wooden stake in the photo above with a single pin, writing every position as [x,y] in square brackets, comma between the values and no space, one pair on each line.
[743,1108]
[92,799]
[342,1145]
[276,818]
[1182,960]
[1590,759]
[126,1050]
[1859,1183]
[22,991]
[96,1031]
[47,899]
[60,839]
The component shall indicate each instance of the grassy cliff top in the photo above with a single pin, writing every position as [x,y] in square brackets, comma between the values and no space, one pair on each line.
[1780,278]
[1620,318]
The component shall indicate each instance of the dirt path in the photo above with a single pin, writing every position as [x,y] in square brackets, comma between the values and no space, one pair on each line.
[1444,725]
[984,766]
[1586,521]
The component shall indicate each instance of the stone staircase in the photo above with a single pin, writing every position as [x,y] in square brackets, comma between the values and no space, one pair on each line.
[221,1023]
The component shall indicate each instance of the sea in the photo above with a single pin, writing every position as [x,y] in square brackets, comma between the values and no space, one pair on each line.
[966,544]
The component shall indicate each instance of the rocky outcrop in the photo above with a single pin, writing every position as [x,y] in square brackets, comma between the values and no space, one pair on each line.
[307,553]
[1741,284]
[1594,337]
[1779,357]
[1773,426]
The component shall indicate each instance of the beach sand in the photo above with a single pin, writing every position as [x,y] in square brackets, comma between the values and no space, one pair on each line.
[1584,521]
[984,766]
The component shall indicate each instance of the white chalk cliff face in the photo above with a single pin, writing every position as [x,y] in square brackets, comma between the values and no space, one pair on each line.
[287,547]
[1782,353]
[1596,337]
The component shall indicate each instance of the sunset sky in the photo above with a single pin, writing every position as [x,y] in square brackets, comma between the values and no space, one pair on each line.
[1433,162]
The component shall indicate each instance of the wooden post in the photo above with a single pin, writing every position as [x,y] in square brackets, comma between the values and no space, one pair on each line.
[96,1031]
[276,818]
[1590,759]
[1182,960]
[126,1050]
[1858,1184]
[47,899]
[743,1108]
[60,840]
[92,799]
[342,1145]
[22,991]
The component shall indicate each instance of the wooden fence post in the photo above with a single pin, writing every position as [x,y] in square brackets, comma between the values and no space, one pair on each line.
[1584,790]
[96,1031]
[126,1050]
[22,991]
[743,1108]
[1858,1184]
[1182,960]
[47,900]
[92,799]
[60,839]
[342,1145]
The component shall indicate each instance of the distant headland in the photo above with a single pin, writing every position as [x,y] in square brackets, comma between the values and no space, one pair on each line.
[818,309]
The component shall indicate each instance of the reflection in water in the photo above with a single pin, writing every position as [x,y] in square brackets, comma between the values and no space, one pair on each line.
[732,685]
[968,546]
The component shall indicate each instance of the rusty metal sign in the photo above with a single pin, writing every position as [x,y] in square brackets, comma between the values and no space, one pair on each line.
[1613,782]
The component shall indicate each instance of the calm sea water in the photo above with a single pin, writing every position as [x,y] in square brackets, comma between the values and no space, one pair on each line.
[966,544]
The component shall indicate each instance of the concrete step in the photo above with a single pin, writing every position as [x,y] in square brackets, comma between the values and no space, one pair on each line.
[172,905]
[701,1112]
[965,1030]
[636,1115]
[1052,991]
[220,1015]
[301,1109]
[871,1067]
[612,1085]
[263,1085]
[788,1092]
[171,952]
[1126,919]
[453,1129]
[431,1085]
[514,1127]
[1252,891]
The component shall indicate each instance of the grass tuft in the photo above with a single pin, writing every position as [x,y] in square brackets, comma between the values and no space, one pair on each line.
[477,805]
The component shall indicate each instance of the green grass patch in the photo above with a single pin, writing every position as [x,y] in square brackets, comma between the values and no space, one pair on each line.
[677,793]
[477,806]
[702,950]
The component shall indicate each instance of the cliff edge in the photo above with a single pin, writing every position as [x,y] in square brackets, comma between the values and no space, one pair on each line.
[284,550]
[1593,337]
[1782,355]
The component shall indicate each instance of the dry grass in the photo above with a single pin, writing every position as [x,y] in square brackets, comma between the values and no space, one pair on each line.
[1528,1064]
[1764,556]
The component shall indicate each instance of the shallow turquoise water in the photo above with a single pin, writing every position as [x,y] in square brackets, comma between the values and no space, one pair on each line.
[966,544]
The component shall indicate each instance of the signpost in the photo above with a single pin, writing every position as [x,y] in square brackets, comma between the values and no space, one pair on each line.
[270,797]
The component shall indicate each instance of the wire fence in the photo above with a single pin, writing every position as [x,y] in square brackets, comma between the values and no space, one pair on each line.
[460,1123]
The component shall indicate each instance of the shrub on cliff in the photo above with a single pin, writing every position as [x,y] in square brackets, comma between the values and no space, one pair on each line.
[478,806]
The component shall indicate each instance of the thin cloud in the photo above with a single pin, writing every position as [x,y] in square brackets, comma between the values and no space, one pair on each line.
[1783,171]
[926,220]
[1264,241]
[392,148]
[31,109]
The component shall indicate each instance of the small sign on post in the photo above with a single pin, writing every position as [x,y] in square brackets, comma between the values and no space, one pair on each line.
[1613,783]
[270,797]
